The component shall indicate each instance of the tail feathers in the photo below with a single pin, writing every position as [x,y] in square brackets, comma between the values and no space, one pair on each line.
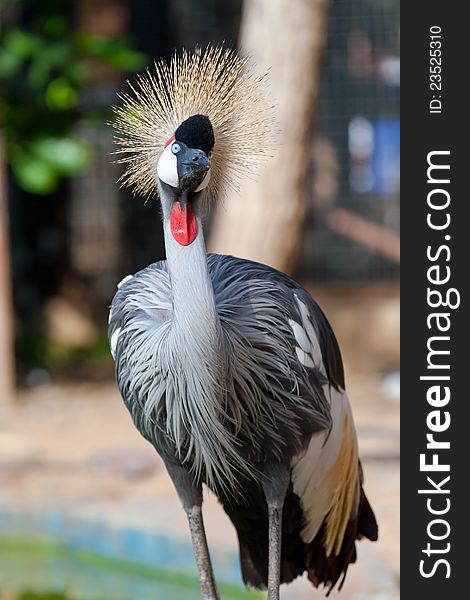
[366,523]
[251,572]
[254,565]
[297,556]
[327,570]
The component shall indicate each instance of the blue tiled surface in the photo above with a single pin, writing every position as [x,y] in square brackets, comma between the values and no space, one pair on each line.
[150,549]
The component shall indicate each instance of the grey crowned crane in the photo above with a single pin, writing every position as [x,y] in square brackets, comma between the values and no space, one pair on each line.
[229,367]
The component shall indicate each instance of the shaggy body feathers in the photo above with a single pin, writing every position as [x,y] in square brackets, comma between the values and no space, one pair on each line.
[253,317]
[265,406]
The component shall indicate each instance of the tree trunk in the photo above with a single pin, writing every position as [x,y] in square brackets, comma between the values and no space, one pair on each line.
[6,328]
[264,220]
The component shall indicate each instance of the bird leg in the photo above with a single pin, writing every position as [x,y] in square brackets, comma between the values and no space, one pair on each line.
[190,494]
[201,553]
[274,569]
[275,484]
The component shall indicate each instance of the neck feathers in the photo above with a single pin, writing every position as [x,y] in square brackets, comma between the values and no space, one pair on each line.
[195,385]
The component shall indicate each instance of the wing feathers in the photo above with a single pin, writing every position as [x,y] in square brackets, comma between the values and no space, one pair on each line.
[326,477]
[343,478]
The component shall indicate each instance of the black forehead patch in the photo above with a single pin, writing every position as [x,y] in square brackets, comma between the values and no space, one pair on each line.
[196,132]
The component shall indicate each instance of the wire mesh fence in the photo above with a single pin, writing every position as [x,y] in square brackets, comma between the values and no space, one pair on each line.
[351,231]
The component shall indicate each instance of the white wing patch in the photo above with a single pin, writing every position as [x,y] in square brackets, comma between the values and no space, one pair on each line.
[304,357]
[326,477]
[300,336]
[308,350]
[114,341]
[123,281]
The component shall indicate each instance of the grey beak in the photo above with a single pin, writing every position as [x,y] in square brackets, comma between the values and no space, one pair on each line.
[192,166]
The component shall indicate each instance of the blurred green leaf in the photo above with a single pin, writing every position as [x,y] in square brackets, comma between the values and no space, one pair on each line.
[55,25]
[60,95]
[35,175]
[21,44]
[44,72]
[9,63]
[67,155]
[114,51]
[127,60]
[77,72]
[55,57]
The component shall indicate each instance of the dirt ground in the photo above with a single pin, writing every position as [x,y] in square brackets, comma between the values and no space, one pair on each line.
[72,447]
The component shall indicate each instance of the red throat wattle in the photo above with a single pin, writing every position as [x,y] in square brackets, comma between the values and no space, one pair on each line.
[183,224]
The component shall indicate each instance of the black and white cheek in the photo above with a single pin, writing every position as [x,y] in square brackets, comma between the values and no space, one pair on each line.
[205,182]
[167,168]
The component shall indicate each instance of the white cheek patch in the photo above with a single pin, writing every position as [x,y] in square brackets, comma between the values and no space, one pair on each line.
[167,167]
[205,181]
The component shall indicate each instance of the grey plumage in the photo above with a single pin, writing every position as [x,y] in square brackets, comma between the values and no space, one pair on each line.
[228,367]
[262,389]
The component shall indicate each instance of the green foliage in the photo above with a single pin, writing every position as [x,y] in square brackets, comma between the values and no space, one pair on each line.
[46,596]
[35,348]
[46,70]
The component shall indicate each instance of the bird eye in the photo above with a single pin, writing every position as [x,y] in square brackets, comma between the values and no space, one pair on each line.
[175,148]
[209,154]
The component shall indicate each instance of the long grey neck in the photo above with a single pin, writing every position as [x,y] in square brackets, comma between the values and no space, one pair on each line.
[195,318]
[195,385]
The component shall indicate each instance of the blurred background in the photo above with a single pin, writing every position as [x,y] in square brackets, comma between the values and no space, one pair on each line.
[86,509]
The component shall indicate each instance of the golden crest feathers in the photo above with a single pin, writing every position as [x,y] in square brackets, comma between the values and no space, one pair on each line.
[216,82]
